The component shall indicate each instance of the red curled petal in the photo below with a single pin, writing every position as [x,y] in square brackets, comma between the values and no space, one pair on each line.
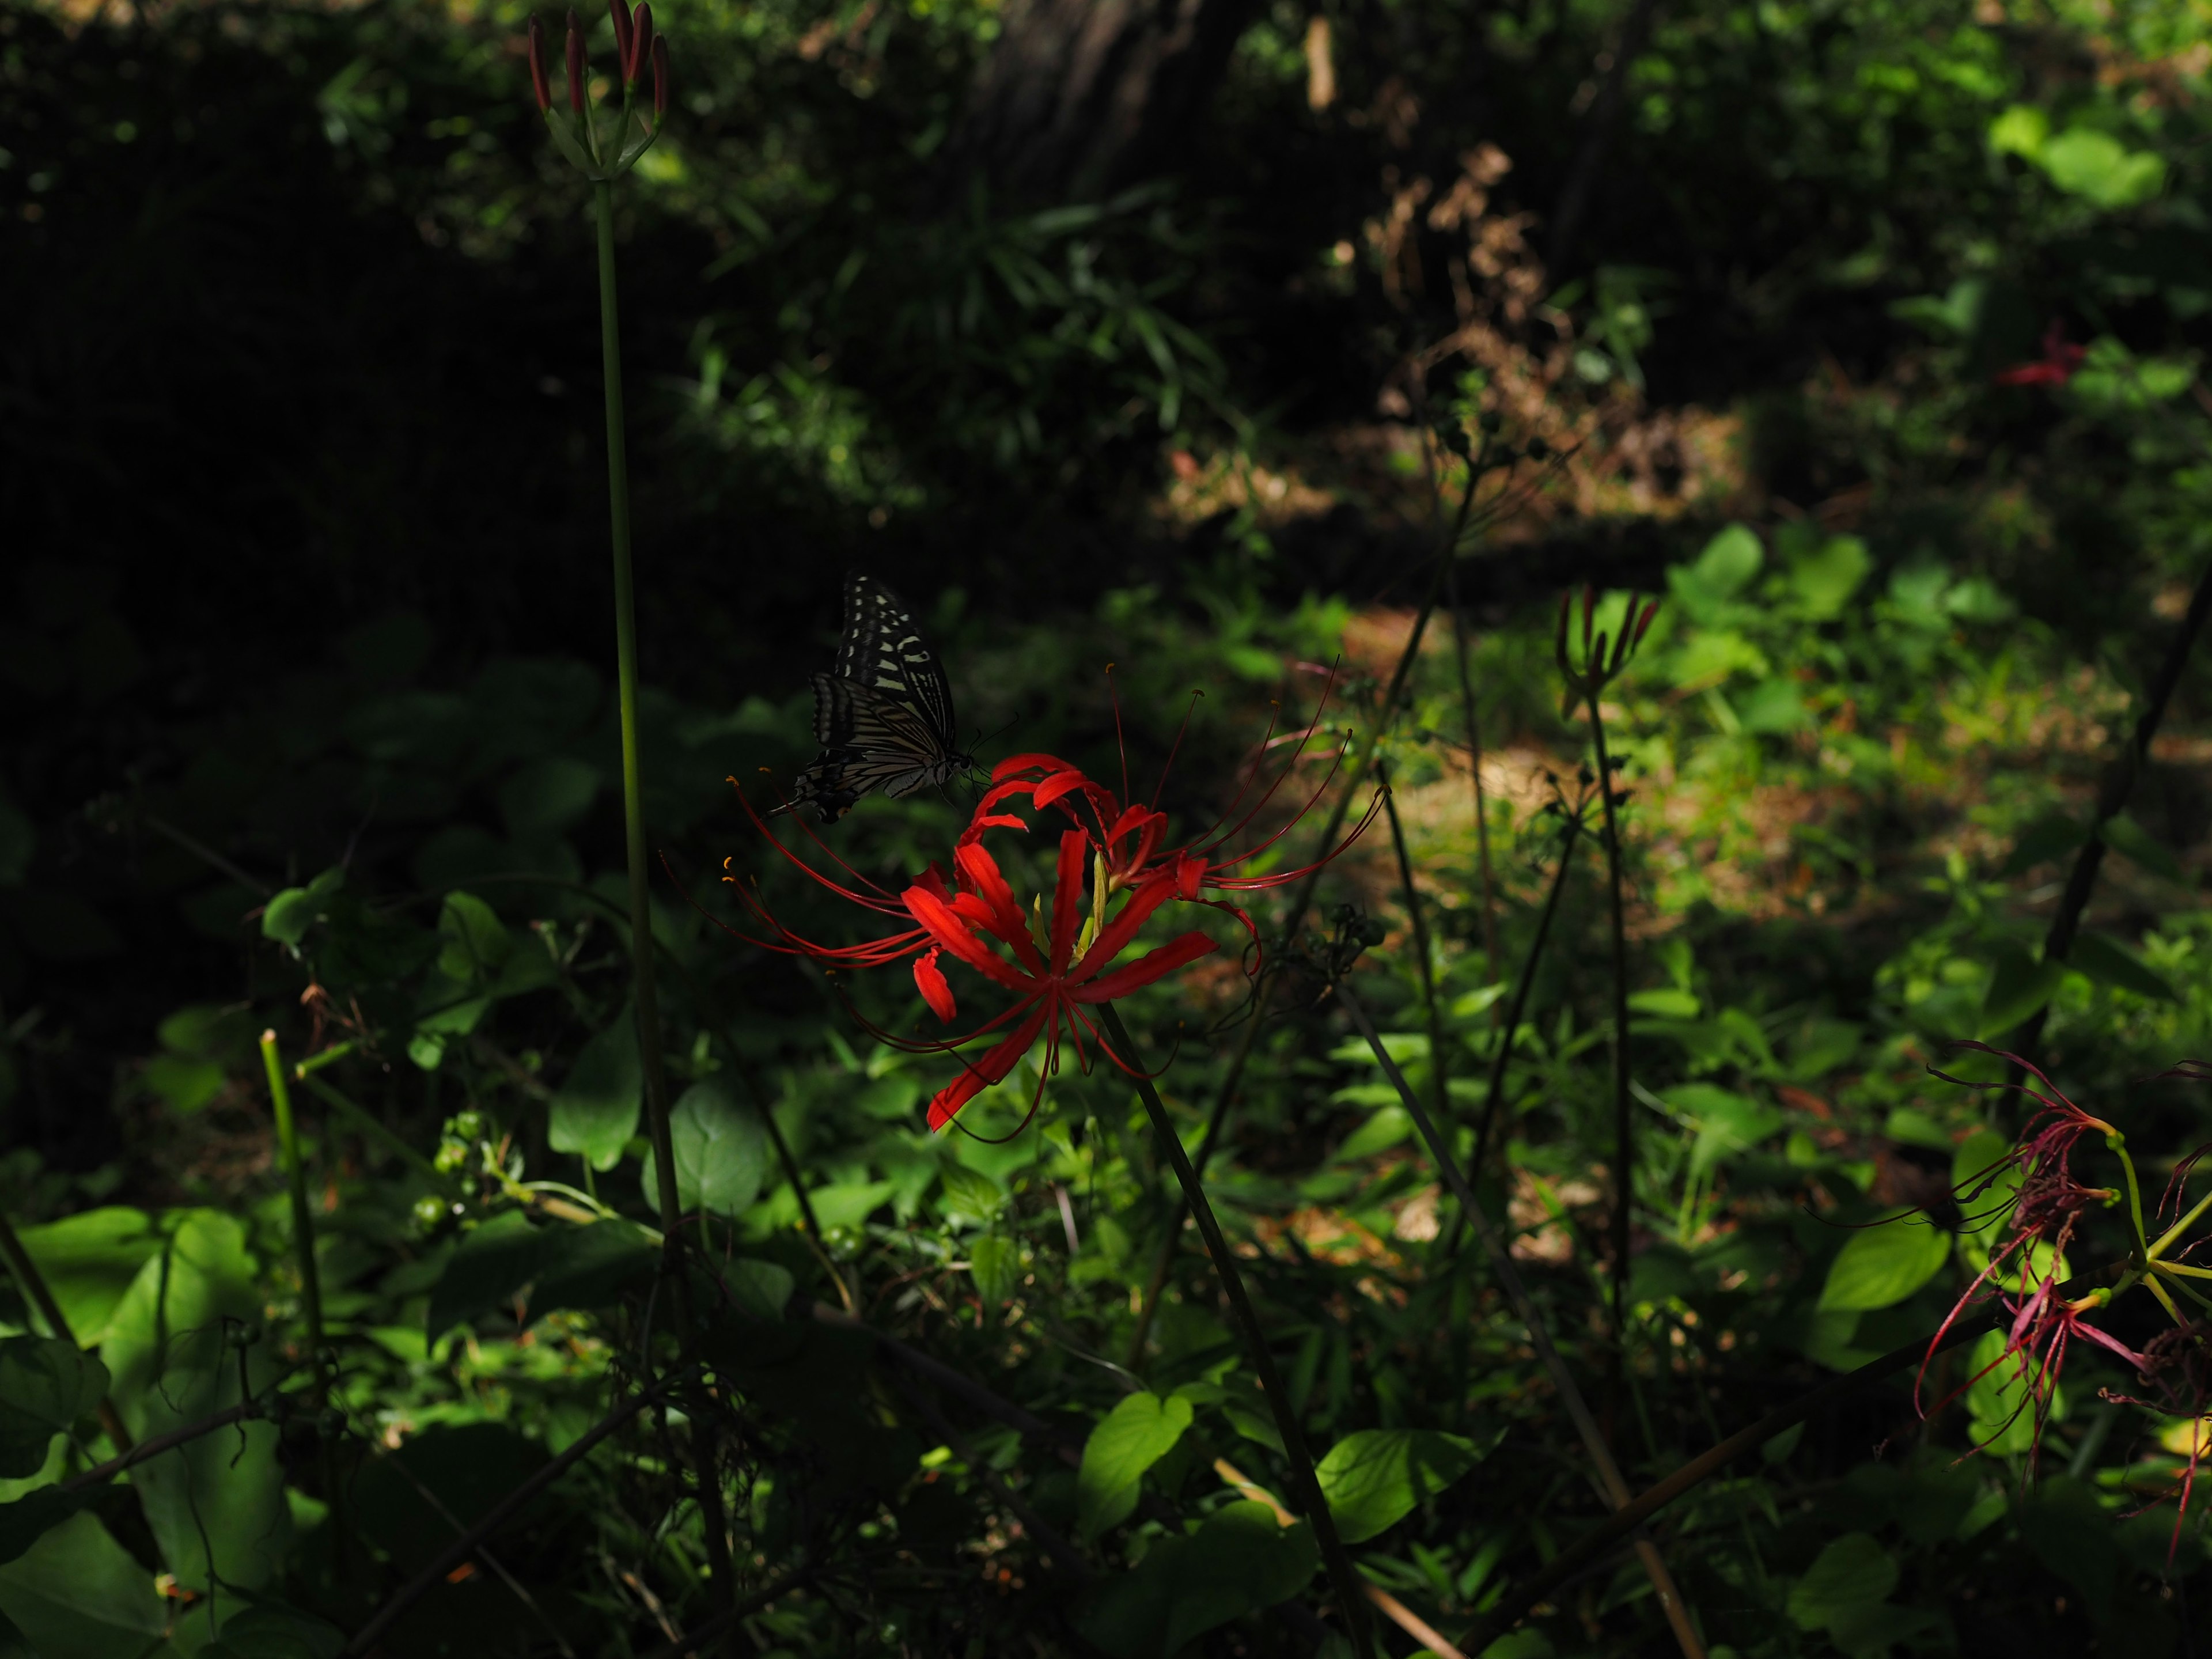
[930,979]
[1059,785]
[989,883]
[992,1068]
[1068,898]
[1151,966]
[1013,764]
[949,930]
[1189,876]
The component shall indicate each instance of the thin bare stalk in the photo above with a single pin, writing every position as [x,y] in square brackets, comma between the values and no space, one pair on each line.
[1306,1485]
[1469,709]
[1624,1178]
[40,1297]
[1511,1029]
[1301,900]
[155,1445]
[1439,1084]
[640,904]
[1508,1277]
[2113,798]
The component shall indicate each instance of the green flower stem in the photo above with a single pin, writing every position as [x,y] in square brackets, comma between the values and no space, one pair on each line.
[1510,1029]
[36,1291]
[640,904]
[311,1287]
[2118,1142]
[303,1222]
[1306,1485]
[2165,1241]
[1517,1290]
[1624,1175]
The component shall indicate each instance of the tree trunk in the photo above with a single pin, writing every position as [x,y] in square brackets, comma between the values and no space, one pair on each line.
[1081,98]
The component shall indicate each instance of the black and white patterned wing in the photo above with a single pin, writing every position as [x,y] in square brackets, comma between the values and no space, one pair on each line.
[884,651]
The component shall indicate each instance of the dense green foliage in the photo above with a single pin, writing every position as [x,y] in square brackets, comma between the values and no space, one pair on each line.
[313,730]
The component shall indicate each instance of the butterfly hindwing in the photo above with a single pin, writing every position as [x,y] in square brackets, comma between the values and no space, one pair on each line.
[884,718]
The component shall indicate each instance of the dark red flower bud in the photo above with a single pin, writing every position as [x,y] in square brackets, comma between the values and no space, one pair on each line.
[660,77]
[641,47]
[538,84]
[619,10]
[1644,625]
[575,63]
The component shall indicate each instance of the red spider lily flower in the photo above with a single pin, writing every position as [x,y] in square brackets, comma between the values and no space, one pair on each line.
[2042,1329]
[2061,357]
[1054,964]
[2049,1196]
[2177,1367]
[1601,658]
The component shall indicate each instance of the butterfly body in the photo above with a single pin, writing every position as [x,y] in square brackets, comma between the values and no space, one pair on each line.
[884,717]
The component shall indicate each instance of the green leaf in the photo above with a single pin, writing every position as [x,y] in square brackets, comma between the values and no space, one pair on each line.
[2019,986]
[508,1259]
[2050,836]
[1726,1122]
[291,914]
[266,1632]
[1132,1438]
[1666,1003]
[2003,1416]
[216,1504]
[1239,1561]
[44,1386]
[89,1260]
[2108,962]
[187,1084]
[760,1289]
[971,1191]
[546,795]
[1825,578]
[996,1261]
[2100,169]
[76,1594]
[1883,1264]
[1373,1479]
[2124,835]
[595,1110]
[1385,1128]
[476,941]
[721,1152]
[848,1203]
[1852,1573]
[35,1514]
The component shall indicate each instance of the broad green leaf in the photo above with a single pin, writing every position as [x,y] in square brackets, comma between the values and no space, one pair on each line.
[761,1289]
[848,1203]
[76,1594]
[996,1261]
[1241,1560]
[494,1262]
[508,1260]
[476,941]
[1132,1438]
[1385,1128]
[1373,1479]
[1997,1400]
[594,1112]
[216,1504]
[1727,565]
[1666,1003]
[35,1514]
[2098,167]
[208,1031]
[546,795]
[2020,131]
[721,1152]
[2020,985]
[1852,1573]
[2108,962]
[2125,837]
[1726,1122]
[971,1191]
[1884,1263]
[1826,578]
[266,1632]
[44,1386]
[88,1261]
[291,914]
[187,1084]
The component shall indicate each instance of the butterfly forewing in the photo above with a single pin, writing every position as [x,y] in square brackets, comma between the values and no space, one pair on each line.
[884,719]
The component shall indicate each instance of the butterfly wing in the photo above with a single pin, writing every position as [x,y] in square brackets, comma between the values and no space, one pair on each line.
[884,718]
[884,651]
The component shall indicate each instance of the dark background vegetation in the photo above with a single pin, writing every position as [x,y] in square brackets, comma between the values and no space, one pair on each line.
[305,518]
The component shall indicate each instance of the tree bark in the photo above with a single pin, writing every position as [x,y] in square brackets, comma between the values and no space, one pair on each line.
[1081,98]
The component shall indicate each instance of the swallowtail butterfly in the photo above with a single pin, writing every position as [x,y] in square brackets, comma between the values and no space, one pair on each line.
[884,718]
